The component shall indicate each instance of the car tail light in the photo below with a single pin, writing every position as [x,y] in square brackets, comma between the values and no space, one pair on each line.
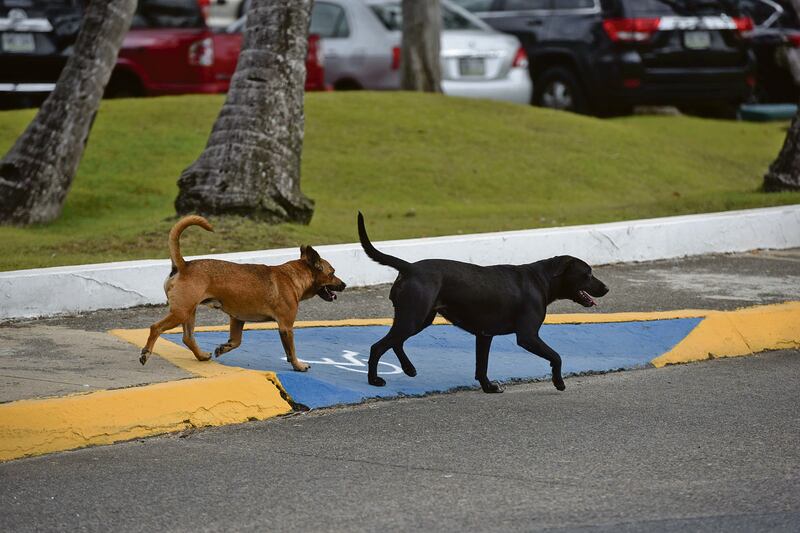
[793,39]
[396,53]
[205,6]
[631,30]
[520,59]
[314,54]
[743,24]
[201,53]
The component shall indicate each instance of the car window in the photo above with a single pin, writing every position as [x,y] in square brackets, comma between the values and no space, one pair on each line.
[329,21]
[573,4]
[475,6]
[391,16]
[644,8]
[168,14]
[526,5]
[770,13]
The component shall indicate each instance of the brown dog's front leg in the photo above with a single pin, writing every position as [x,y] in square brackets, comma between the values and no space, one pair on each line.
[168,322]
[287,339]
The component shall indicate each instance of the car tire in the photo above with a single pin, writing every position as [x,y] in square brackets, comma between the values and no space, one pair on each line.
[559,88]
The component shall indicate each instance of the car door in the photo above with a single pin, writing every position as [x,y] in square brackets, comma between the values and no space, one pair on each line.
[527,19]
[342,53]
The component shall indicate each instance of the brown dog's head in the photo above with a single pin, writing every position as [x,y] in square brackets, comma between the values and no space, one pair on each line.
[573,280]
[324,280]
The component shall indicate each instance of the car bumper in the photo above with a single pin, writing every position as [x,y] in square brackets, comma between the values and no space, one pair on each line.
[517,87]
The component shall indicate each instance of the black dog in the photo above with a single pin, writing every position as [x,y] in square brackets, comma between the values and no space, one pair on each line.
[485,301]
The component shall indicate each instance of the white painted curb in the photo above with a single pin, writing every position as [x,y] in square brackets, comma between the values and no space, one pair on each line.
[73,289]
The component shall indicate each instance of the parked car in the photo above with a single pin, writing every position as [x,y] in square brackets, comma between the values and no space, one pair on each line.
[169,50]
[605,56]
[361,46]
[776,34]
[222,13]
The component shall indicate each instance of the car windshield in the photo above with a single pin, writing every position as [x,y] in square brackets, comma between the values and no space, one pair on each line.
[391,15]
[645,8]
[168,14]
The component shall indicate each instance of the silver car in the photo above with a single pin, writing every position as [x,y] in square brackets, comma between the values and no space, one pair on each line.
[361,48]
[361,43]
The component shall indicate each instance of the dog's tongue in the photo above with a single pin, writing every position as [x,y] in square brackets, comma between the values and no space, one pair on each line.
[589,299]
[333,294]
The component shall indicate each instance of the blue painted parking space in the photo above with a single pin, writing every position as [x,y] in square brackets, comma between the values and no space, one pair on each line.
[443,355]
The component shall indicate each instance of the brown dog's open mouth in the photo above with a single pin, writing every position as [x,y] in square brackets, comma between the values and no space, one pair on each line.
[584,299]
[326,294]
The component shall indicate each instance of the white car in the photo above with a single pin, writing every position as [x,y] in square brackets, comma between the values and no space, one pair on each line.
[361,49]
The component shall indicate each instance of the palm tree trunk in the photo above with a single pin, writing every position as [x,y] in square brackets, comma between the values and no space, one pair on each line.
[419,59]
[36,174]
[251,164]
[784,172]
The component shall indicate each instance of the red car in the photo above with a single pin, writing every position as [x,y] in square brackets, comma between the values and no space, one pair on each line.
[177,53]
[169,50]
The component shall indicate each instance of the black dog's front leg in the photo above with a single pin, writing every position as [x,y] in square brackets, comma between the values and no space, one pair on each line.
[537,346]
[482,345]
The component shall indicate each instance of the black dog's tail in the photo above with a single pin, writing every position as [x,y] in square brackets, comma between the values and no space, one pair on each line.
[379,257]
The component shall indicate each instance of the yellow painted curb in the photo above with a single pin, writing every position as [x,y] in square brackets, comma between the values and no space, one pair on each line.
[35,427]
[736,333]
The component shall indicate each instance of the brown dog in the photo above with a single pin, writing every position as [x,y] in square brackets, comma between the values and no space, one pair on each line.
[248,293]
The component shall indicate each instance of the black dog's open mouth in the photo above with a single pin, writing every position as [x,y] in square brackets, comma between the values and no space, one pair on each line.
[584,299]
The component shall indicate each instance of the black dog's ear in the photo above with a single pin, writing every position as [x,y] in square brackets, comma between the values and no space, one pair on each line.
[563,262]
[310,256]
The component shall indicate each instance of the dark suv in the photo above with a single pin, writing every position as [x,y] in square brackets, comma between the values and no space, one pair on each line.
[605,56]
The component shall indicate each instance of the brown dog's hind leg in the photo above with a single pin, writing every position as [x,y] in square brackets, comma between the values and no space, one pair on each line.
[188,338]
[234,340]
[287,339]
[168,322]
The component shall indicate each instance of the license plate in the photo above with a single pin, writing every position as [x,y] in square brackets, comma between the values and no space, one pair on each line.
[18,42]
[697,40]
[471,66]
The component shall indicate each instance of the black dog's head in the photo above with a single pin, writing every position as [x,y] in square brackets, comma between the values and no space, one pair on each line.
[573,280]
[325,282]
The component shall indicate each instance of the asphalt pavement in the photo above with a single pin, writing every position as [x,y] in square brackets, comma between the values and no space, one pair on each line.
[708,446]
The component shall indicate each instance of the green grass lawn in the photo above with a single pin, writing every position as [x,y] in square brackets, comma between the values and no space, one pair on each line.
[416,165]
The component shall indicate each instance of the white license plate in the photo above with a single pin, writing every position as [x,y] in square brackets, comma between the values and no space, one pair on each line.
[697,40]
[18,42]
[472,66]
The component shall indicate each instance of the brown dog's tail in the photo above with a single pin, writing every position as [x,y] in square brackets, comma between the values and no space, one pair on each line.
[373,253]
[175,235]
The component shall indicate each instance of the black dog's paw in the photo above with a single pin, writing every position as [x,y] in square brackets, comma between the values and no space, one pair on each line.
[559,383]
[491,387]
[410,371]
[377,381]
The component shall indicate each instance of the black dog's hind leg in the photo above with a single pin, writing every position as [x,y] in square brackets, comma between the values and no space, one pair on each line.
[405,363]
[537,346]
[482,345]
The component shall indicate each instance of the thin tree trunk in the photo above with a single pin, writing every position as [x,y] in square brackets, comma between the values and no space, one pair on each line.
[251,164]
[784,172]
[36,174]
[420,63]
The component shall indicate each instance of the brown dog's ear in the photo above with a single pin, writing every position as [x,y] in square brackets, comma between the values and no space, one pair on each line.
[311,256]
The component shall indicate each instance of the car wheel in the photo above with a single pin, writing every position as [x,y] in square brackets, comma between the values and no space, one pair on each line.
[559,88]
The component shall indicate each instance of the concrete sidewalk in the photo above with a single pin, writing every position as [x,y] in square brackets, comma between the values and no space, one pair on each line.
[67,355]
[57,356]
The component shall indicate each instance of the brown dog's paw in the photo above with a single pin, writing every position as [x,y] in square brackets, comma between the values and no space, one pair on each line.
[204,356]
[301,367]
[376,381]
[143,357]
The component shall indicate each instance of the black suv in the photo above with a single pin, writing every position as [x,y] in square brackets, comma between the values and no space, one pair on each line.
[605,56]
